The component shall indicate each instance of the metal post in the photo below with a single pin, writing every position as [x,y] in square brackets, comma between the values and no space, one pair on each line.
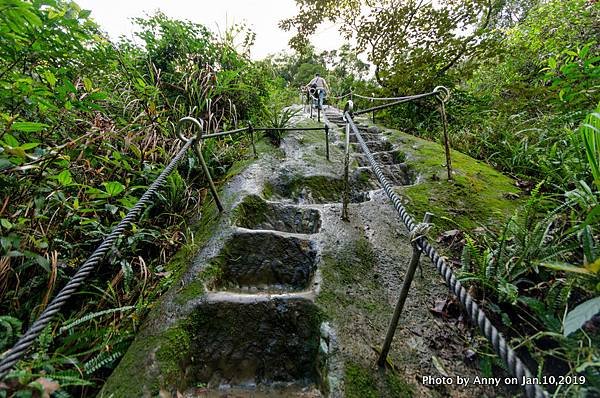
[372,103]
[211,184]
[446,138]
[327,140]
[198,149]
[251,131]
[346,197]
[319,113]
[408,278]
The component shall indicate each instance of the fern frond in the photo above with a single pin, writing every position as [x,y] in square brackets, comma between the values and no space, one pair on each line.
[101,360]
[91,316]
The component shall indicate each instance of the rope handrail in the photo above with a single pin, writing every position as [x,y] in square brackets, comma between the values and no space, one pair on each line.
[515,365]
[399,101]
[437,89]
[18,350]
[12,356]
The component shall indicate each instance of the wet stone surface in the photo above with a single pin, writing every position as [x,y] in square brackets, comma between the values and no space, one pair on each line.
[317,189]
[265,260]
[255,213]
[375,146]
[264,342]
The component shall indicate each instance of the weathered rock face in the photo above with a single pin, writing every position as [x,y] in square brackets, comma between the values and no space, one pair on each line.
[316,189]
[249,343]
[266,260]
[256,213]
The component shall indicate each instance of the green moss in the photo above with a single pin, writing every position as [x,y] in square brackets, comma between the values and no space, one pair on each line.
[268,189]
[133,379]
[252,211]
[323,189]
[359,382]
[202,231]
[119,384]
[478,194]
[397,386]
[174,347]
[190,291]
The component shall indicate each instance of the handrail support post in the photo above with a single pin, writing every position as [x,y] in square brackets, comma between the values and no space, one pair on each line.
[408,278]
[346,197]
[251,131]
[211,184]
[327,141]
[372,103]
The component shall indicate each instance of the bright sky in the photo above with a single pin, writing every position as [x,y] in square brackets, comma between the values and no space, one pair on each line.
[262,16]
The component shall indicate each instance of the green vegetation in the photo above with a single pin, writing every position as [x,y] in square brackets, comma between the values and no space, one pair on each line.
[86,125]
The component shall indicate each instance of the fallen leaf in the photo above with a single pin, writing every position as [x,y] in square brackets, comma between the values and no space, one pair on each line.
[48,385]
[438,365]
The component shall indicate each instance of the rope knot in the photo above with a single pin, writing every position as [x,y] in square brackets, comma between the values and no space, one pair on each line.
[421,230]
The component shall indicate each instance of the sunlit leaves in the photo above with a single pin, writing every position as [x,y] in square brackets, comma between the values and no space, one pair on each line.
[28,127]
[113,188]
[64,178]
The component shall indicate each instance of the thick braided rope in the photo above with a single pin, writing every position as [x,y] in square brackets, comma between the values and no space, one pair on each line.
[516,367]
[19,349]
[341,96]
[408,97]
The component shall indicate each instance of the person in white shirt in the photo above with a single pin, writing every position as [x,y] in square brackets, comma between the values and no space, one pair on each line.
[320,85]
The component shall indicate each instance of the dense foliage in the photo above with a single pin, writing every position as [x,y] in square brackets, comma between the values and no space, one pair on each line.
[85,126]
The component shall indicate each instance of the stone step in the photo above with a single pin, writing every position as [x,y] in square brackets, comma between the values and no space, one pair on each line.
[264,261]
[256,213]
[263,347]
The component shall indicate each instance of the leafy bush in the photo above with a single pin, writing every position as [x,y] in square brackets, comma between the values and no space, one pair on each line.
[86,125]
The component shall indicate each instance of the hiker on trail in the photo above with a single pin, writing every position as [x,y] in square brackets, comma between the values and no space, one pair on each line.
[321,87]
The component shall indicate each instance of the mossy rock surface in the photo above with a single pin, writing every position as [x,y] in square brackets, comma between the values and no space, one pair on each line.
[478,195]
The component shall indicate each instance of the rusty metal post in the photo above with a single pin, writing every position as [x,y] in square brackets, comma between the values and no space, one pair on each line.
[346,197]
[446,138]
[327,141]
[198,149]
[408,278]
[251,131]
[373,103]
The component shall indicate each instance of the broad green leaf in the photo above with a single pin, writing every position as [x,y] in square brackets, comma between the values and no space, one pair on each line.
[136,151]
[98,96]
[5,223]
[84,14]
[50,78]
[567,268]
[87,83]
[113,188]
[576,318]
[5,163]
[28,127]
[29,145]
[10,140]
[65,178]
[594,267]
